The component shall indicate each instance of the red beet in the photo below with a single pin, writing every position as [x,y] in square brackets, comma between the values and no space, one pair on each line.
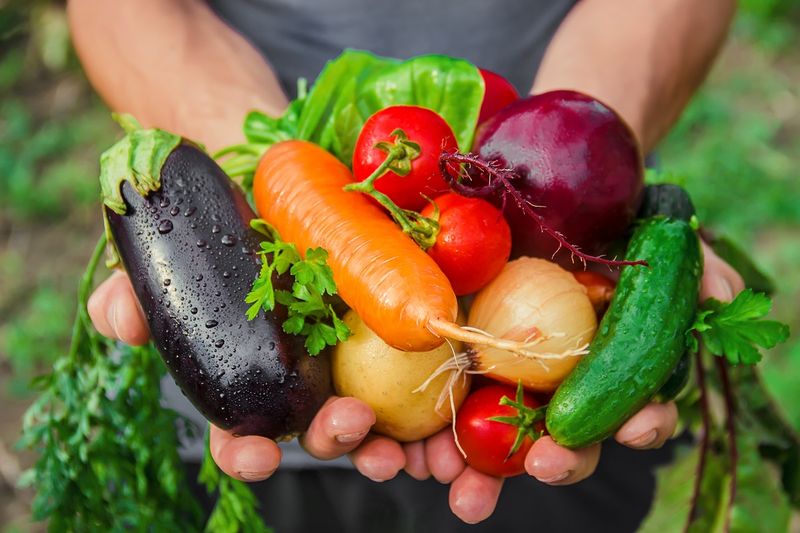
[574,159]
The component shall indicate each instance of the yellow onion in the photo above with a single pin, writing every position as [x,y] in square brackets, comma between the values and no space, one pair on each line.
[537,301]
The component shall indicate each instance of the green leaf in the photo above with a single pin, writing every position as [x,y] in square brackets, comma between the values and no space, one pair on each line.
[335,83]
[294,324]
[308,312]
[760,417]
[736,329]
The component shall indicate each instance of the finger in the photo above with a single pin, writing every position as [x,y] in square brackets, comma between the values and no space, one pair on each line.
[250,458]
[378,458]
[649,428]
[555,465]
[338,428]
[115,312]
[720,280]
[443,458]
[473,495]
[416,466]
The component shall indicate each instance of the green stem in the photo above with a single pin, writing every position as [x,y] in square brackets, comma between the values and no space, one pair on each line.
[82,324]
[126,121]
[423,230]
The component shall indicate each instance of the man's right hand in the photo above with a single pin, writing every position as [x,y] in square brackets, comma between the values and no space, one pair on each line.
[337,429]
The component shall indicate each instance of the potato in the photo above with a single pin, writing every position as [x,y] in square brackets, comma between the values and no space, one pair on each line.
[383,377]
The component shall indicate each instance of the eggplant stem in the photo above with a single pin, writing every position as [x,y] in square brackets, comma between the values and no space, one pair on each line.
[452,330]
[504,177]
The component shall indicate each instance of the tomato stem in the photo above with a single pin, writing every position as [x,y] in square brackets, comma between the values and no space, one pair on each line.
[526,419]
[399,156]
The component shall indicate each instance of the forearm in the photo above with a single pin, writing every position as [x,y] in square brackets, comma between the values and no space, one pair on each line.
[644,59]
[173,64]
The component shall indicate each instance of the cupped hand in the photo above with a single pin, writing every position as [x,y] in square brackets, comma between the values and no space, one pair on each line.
[338,428]
[473,495]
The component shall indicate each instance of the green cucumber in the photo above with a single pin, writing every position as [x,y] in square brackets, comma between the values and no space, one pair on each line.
[676,381]
[640,339]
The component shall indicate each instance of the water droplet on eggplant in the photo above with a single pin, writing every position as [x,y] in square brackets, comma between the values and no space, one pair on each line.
[211,323]
[165,226]
[228,239]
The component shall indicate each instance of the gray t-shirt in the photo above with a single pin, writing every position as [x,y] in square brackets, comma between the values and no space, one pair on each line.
[297,37]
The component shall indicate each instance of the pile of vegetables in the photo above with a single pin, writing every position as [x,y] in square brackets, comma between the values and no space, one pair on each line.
[404,226]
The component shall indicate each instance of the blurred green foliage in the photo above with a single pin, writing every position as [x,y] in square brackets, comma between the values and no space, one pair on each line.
[737,150]
[771,23]
[52,130]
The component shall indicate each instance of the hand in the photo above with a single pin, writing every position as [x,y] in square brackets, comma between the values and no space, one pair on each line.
[473,495]
[339,427]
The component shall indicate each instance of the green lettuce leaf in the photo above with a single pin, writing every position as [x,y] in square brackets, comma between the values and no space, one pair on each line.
[357,84]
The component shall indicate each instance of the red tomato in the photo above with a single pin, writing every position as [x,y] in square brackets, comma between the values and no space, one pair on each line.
[473,244]
[498,94]
[487,443]
[422,126]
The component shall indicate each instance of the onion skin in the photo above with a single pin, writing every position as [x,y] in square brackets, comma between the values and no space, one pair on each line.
[532,295]
[575,157]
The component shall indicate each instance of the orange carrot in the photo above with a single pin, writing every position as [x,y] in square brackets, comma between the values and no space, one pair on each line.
[395,287]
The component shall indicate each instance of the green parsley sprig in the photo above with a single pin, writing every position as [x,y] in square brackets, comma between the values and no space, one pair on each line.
[309,314]
[734,330]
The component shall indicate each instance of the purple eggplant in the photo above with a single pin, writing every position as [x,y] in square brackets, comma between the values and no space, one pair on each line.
[185,240]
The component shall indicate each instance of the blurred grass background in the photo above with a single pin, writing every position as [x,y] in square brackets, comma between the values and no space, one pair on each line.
[737,146]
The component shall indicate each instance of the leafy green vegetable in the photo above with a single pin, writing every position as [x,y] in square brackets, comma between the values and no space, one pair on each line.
[261,131]
[108,450]
[348,91]
[309,314]
[357,84]
[734,329]
[108,454]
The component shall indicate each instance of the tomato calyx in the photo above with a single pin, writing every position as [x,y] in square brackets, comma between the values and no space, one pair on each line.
[399,157]
[403,150]
[526,420]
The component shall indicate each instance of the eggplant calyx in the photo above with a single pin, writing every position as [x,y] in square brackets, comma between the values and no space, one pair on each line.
[137,158]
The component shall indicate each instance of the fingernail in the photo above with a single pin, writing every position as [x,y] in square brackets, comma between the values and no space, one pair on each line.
[112,317]
[555,479]
[723,288]
[255,476]
[644,440]
[348,438]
